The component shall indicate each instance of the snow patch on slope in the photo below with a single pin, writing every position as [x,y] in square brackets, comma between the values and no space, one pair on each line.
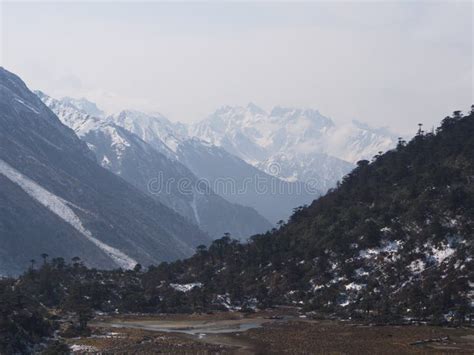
[186,287]
[62,209]
[195,210]
[29,107]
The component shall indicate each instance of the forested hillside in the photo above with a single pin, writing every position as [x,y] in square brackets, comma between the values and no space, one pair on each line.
[394,239]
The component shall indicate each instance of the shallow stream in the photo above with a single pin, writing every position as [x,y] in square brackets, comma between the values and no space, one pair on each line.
[193,327]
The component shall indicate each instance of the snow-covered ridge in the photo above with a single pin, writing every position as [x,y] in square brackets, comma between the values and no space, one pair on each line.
[84,105]
[154,129]
[83,123]
[62,209]
[75,118]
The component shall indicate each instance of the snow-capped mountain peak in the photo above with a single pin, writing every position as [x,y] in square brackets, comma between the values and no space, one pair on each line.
[357,140]
[292,113]
[293,144]
[70,115]
[303,144]
[154,129]
[84,105]
[255,109]
[253,134]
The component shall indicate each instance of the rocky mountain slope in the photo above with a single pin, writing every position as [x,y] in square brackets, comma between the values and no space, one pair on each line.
[157,174]
[55,198]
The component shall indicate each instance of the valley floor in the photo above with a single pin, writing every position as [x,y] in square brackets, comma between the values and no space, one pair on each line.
[264,333]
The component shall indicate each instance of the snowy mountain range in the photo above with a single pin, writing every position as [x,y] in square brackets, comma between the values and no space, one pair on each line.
[298,146]
[153,168]
[297,153]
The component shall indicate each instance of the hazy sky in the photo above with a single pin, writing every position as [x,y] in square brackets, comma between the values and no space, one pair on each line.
[386,63]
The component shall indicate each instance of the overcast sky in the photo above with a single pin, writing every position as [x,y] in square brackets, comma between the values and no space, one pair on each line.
[388,64]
